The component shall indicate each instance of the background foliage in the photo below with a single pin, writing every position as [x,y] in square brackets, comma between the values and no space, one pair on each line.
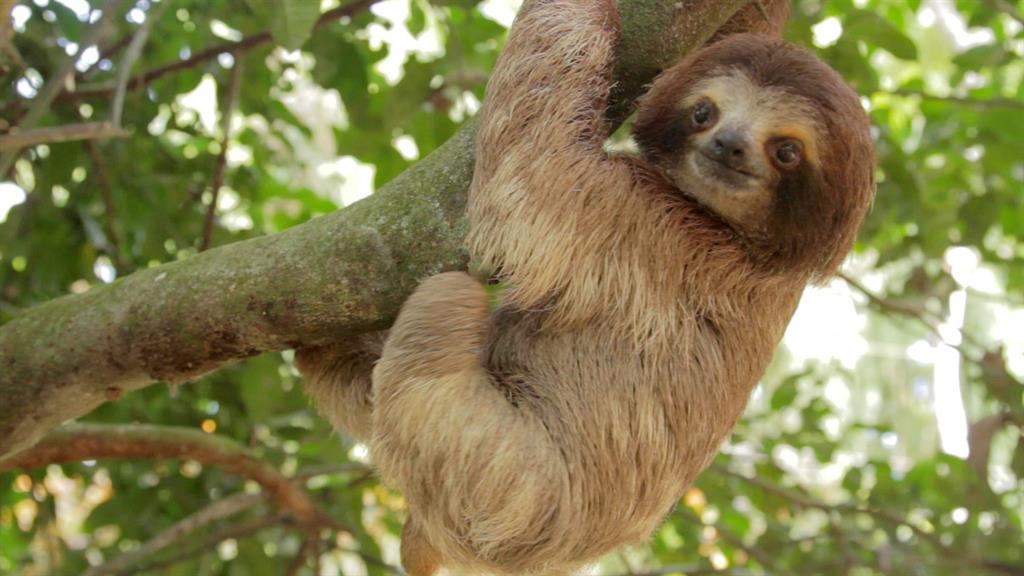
[885,439]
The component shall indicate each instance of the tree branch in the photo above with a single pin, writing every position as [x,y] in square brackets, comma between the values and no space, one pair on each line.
[217,179]
[239,530]
[109,206]
[55,85]
[75,442]
[16,140]
[994,102]
[124,70]
[735,540]
[806,501]
[179,530]
[336,276]
[1006,8]
[244,45]
[926,319]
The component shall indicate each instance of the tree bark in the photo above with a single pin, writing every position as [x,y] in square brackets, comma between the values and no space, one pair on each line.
[331,278]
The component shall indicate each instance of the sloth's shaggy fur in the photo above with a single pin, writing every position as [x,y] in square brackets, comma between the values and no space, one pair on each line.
[641,311]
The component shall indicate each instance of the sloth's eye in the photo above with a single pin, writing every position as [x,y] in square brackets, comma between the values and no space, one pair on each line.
[705,113]
[787,153]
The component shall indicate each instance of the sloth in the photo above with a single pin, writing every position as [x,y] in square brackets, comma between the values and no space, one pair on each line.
[644,294]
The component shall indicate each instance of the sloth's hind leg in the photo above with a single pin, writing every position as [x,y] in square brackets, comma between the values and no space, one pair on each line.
[339,380]
[486,485]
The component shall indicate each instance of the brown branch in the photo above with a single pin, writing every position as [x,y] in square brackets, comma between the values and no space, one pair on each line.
[1006,8]
[76,442]
[124,69]
[694,570]
[55,84]
[985,103]
[802,500]
[995,375]
[330,469]
[752,550]
[236,48]
[979,441]
[806,501]
[109,206]
[219,166]
[7,47]
[927,319]
[310,549]
[234,531]
[110,51]
[19,139]
[178,531]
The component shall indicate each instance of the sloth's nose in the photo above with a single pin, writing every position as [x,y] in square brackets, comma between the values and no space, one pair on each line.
[729,147]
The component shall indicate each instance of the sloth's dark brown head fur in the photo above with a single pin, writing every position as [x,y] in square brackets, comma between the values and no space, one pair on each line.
[771,140]
[750,19]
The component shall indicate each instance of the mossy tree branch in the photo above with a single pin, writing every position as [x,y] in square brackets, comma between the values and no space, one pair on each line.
[336,276]
[77,442]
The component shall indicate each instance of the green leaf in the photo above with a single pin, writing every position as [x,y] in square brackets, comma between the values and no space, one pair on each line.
[784,395]
[67,20]
[417,20]
[872,28]
[982,56]
[293,21]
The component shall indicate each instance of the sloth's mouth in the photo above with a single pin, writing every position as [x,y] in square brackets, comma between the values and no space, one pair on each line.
[723,166]
[728,174]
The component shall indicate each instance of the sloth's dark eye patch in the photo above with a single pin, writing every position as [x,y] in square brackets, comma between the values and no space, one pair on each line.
[705,114]
[786,153]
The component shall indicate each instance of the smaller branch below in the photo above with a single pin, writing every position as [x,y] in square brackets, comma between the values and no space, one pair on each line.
[235,531]
[1006,8]
[928,320]
[17,140]
[984,103]
[177,532]
[75,442]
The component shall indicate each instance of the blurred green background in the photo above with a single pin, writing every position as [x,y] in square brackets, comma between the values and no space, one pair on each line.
[886,438]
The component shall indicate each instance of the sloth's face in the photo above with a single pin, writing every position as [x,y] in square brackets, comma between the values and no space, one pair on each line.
[769,138]
[737,143]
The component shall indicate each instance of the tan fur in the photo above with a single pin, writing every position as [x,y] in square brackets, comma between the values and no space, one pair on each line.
[343,379]
[536,437]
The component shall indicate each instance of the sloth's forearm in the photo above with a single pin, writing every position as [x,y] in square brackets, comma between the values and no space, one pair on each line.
[550,86]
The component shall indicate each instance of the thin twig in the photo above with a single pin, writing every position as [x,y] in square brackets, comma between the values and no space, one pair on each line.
[923,316]
[7,47]
[236,48]
[327,469]
[219,166]
[1006,8]
[14,141]
[234,531]
[55,85]
[806,501]
[178,531]
[694,570]
[752,550]
[994,102]
[124,69]
[310,549]
[109,207]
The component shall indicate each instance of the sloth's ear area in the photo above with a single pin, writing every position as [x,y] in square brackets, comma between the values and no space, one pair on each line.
[659,133]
